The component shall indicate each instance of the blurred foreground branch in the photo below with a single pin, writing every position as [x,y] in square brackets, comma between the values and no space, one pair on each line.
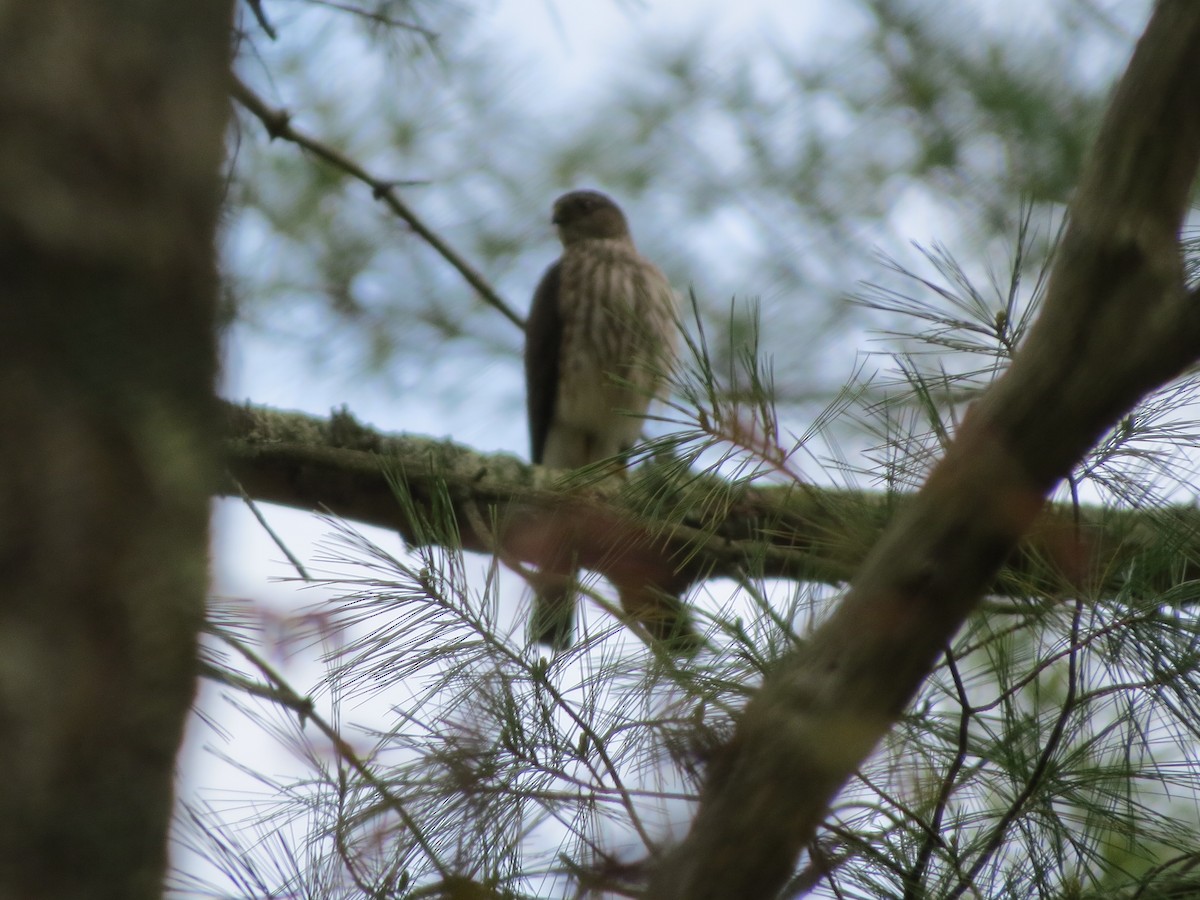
[112,117]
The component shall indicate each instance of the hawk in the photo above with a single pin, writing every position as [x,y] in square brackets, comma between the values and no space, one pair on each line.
[600,338]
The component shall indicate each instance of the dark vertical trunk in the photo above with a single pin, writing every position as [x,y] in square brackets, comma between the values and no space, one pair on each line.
[111,121]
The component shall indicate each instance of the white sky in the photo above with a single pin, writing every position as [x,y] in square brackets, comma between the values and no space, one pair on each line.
[571,43]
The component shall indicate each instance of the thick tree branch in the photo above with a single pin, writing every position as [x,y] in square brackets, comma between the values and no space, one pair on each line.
[523,512]
[707,528]
[1117,322]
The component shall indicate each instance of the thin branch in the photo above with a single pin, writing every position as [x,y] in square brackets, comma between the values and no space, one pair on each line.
[278,123]
[260,15]
[1039,770]
[379,18]
[914,888]
[340,831]
[266,526]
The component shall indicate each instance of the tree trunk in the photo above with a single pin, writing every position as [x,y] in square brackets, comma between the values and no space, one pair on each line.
[111,122]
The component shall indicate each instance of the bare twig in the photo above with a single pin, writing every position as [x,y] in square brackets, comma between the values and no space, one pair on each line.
[378,18]
[914,889]
[260,15]
[278,123]
[272,533]
[1038,774]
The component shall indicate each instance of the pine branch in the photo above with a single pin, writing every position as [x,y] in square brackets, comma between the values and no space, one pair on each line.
[705,528]
[1117,322]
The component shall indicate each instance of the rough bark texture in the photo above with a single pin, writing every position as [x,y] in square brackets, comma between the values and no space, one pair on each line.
[111,122]
[1117,322]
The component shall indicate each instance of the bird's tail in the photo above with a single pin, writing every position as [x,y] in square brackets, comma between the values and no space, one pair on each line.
[553,620]
[664,616]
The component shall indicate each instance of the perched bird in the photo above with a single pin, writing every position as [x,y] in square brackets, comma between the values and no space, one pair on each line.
[600,337]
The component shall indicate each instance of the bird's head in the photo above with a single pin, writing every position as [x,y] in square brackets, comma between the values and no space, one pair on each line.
[588,215]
